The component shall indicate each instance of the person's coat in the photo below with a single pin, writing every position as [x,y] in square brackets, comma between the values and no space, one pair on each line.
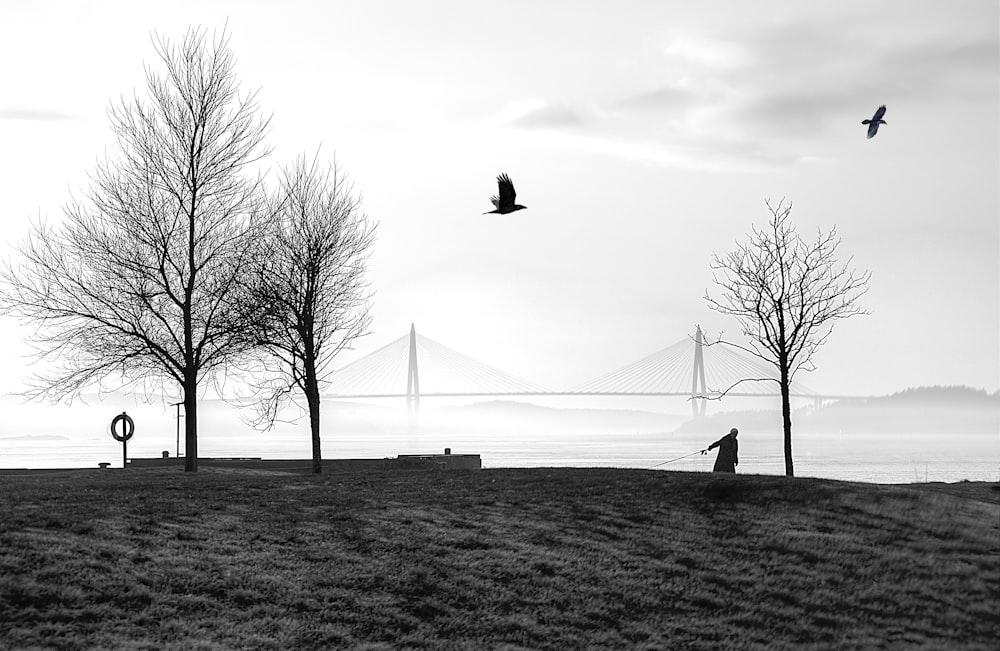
[728,457]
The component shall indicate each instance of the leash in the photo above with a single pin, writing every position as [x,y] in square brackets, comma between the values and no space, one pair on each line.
[663,463]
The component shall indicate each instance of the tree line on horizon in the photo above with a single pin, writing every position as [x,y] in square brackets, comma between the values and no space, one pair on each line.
[937,409]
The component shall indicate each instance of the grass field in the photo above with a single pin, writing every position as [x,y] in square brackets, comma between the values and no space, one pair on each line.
[533,558]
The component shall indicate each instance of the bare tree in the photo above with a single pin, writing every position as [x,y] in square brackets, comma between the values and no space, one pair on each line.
[786,293]
[312,278]
[136,286]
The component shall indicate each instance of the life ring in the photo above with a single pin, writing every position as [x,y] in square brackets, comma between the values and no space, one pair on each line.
[128,429]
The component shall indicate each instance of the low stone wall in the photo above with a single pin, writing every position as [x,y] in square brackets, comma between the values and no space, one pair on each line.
[403,461]
[440,461]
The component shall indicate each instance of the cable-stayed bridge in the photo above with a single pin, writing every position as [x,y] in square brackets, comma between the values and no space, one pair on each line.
[416,366]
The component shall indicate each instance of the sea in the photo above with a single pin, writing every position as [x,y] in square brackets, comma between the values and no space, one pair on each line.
[58,436]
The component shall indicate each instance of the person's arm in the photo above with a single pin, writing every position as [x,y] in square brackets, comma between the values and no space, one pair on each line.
[716,444]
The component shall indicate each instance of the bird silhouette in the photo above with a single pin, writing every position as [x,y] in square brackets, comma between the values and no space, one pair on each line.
[875,121]
[504,203]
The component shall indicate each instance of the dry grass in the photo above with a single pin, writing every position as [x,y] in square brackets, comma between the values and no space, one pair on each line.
[541,558]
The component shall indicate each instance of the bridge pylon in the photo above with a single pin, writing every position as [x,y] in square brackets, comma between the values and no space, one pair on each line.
[413,376]
[698,377]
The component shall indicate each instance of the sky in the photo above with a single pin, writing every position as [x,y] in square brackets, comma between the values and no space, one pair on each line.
[644,137]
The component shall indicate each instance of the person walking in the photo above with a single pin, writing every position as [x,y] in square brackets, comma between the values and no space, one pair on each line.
[728,457]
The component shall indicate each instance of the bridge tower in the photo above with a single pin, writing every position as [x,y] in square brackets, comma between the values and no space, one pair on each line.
[698,377]
[412,376]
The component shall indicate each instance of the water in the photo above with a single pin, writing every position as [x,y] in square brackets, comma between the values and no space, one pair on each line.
[43,436]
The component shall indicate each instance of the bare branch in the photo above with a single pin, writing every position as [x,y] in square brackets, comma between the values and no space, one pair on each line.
[311,277]
[719,395]
[786,294]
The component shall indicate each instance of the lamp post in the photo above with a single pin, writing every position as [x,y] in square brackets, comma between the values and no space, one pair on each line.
[177,451]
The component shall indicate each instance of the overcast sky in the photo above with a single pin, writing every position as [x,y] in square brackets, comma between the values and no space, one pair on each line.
[642,136]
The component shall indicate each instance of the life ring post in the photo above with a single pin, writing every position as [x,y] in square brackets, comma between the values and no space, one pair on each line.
[128,429]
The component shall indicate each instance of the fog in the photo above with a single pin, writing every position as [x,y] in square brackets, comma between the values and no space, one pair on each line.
[943,434]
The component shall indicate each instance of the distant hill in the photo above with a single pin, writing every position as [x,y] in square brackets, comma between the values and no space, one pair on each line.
[950,395]
[920,409]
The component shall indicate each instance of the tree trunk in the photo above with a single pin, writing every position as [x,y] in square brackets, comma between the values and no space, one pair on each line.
[190,421]
[312,398]
[786,419]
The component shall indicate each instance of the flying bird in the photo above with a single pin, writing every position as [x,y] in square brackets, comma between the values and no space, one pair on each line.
[504,203]
[875,121]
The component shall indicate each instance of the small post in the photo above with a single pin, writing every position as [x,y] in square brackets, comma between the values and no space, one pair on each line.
[177,451]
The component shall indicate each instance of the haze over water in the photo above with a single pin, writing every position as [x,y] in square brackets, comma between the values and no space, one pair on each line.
[504,434]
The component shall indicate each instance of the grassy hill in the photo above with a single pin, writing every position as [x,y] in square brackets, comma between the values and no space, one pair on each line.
[513,558]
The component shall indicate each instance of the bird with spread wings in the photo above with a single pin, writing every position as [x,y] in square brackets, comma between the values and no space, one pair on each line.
[504,203]
[875,121]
